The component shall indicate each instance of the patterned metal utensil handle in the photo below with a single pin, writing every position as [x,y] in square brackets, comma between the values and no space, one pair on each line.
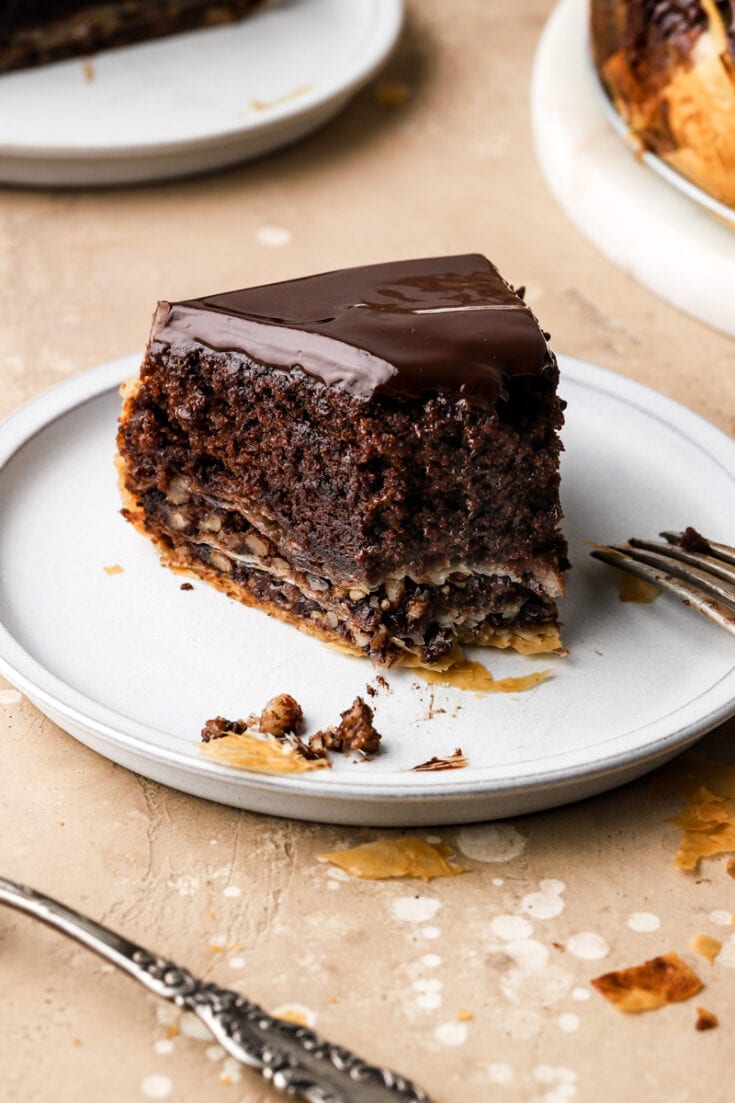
[293,1058]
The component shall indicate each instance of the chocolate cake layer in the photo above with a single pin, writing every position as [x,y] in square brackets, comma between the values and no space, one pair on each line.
[34,32]
[402,512]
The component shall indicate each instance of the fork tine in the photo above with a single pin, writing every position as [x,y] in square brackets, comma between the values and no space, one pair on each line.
[706,563]
[693,575]
[721,551]
[691,595]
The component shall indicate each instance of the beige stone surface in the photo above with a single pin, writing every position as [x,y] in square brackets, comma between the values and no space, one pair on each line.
[452,169]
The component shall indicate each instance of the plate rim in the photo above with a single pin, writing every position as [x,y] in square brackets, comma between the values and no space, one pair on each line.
[22,669]
[388,21]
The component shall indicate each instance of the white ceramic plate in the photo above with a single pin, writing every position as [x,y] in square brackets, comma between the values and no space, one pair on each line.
[634,216]
[132,666]
[194,101]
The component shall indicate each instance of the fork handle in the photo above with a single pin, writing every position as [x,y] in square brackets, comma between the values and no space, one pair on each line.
[293,1058]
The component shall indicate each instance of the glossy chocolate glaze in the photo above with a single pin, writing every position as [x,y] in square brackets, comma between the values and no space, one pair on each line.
[448,324]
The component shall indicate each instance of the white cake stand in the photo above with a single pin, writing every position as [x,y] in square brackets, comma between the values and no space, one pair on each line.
[637,219]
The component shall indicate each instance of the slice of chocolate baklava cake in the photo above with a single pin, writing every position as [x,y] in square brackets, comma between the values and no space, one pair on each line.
[371,455]
[35,32]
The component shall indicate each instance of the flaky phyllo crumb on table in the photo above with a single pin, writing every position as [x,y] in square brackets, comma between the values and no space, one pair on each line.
[654,983]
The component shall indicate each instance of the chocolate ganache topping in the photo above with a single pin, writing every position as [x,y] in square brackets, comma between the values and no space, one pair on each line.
[441,324]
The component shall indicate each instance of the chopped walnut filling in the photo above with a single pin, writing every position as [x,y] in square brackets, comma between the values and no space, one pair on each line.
[282,719]
[281,714]
[219,726]
[355,732]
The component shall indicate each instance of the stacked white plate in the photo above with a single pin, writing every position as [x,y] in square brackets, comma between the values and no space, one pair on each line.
[192,102]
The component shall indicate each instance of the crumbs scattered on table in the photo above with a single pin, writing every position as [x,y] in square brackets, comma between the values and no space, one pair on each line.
[455,761]
[464,1016]
[115,568]
[392,93]
[295,1013]
[409,856]
[291,1016]
[706,946]
[706,1020]
[707,820]
[186,586]
[661,980]
[88,70]
[708,827]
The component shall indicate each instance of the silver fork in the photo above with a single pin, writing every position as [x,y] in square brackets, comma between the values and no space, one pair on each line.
[293,1058]
[699,571]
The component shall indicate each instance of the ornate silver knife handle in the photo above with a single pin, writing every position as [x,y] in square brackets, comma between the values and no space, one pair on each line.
[292,1057]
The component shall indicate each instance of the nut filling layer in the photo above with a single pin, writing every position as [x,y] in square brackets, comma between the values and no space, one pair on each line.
[425,619]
